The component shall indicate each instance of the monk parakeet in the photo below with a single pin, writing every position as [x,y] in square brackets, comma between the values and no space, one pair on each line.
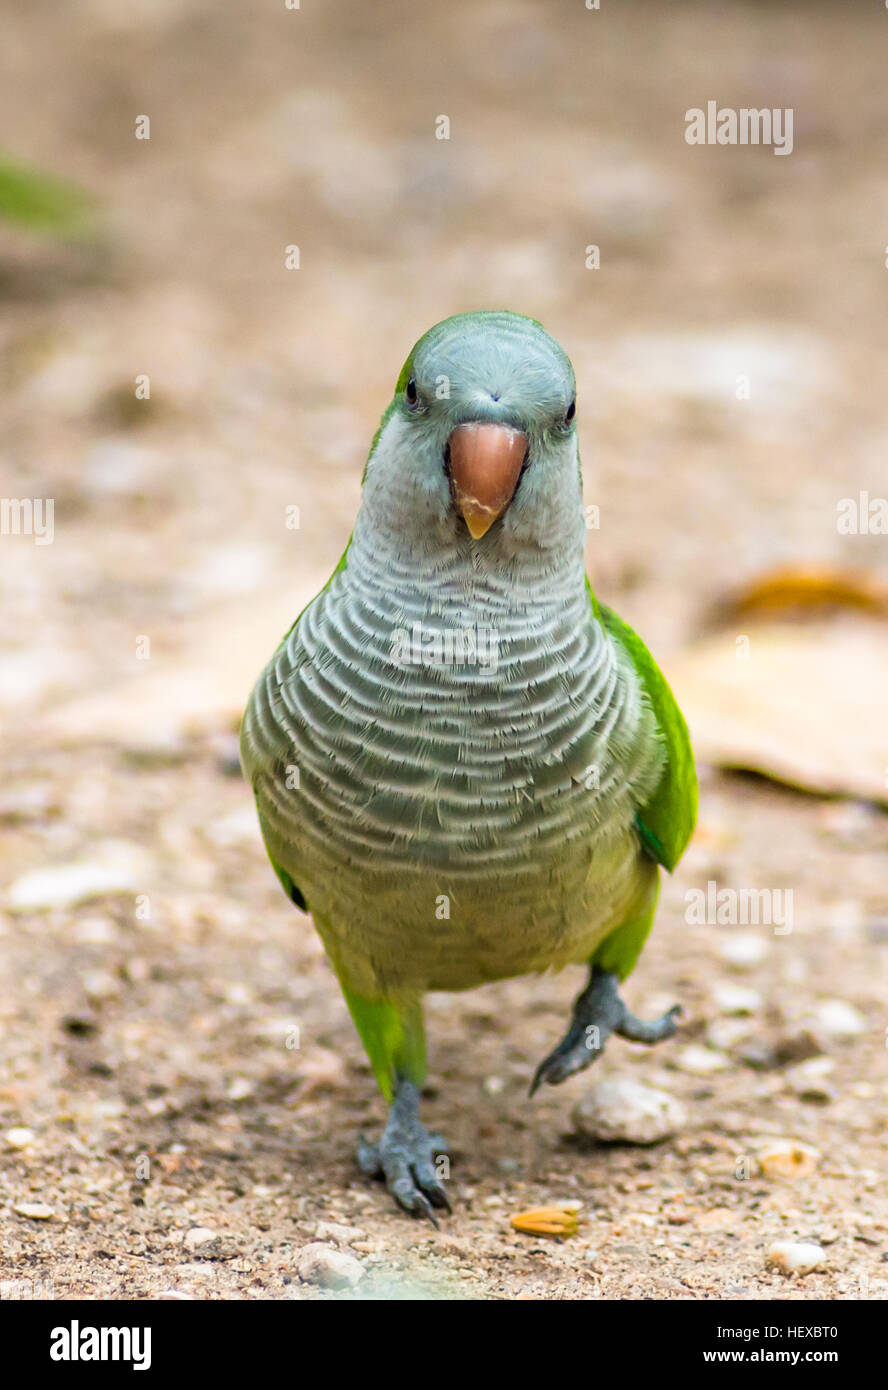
[466,767]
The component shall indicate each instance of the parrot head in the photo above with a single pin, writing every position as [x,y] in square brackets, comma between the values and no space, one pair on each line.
[481,431]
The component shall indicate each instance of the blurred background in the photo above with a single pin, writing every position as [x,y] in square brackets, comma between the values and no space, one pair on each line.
[178,390]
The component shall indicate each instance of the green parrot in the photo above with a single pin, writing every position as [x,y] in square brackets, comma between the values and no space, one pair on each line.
[465,766]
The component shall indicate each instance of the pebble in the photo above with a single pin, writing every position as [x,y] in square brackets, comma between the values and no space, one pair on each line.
[726,1033]
[757,1055]
[196,1271]
[100,985]
[329,1268]
[795,1256]
[19,1137]
[94,931]
[797,1045]
[37,1211]
[700,1061]
[239,1088]
[737,999]
[621,1110]
[117,868]
[787,1158]
[810,1080]
[837,1021]
[201,1238]
[743,951]
[338,1233]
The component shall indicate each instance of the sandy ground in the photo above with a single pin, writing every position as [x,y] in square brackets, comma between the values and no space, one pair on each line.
[146,1032]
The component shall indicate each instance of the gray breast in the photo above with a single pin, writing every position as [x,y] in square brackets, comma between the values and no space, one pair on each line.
[406,722]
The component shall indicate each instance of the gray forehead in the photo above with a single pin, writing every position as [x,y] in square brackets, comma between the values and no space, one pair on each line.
[499,352]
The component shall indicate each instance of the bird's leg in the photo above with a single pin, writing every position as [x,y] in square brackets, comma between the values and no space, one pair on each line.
[598,1012]
[406,1156]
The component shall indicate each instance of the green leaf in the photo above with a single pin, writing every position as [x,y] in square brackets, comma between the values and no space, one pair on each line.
[42,203]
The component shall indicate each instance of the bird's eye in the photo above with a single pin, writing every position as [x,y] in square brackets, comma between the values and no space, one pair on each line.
[410,391]
[571,412]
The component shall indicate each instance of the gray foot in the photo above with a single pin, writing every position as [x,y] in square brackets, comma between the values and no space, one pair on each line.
[598,1012]
[405,1158]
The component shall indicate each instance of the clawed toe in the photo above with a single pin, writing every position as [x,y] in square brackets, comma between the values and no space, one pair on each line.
[405,1158]
[598,1012]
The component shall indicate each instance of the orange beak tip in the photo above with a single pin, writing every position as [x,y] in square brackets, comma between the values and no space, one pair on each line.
[478,525]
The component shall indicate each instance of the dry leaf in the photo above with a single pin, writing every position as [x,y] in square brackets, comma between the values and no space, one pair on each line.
[799,588]
[805,706]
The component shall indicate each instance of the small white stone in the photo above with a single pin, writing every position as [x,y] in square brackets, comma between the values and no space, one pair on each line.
[700,1061]
[726,1033]
[237,992]
[743,951]
[19,1137]
[196,1270]
[810,1080]
[622,1110]
[329,1268]
[795,1256]
[239,1088]
[838,1021]
[200,1238]
[117,867]
[737,999]
[94,931]
[36,1211]
[338,1233]
[100,985]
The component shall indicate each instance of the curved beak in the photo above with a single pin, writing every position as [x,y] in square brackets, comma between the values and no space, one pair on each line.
[485,464]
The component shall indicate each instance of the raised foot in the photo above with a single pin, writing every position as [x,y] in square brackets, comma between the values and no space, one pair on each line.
[598,1012]
[405,1158]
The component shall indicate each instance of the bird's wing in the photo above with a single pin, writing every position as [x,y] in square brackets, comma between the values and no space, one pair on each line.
[667,818]
[261,750]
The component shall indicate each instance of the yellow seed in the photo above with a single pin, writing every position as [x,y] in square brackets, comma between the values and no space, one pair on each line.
[546,1221]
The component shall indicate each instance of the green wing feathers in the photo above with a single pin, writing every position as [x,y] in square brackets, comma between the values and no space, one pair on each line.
[667,819]
[293,892]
